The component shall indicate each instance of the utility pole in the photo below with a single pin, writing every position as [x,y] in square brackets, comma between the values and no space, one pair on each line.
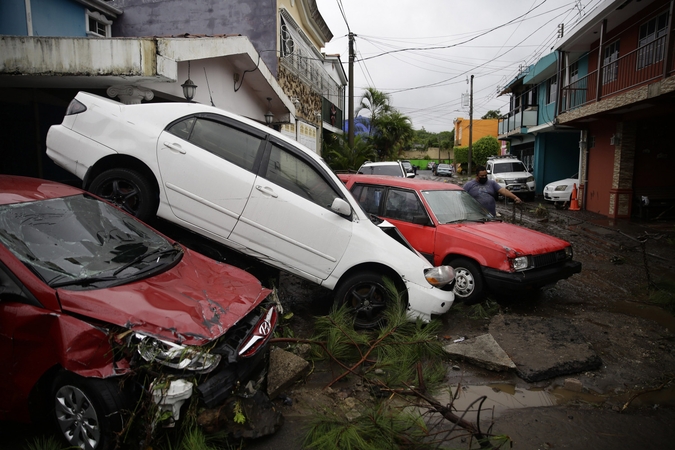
[350,123]
[470,125]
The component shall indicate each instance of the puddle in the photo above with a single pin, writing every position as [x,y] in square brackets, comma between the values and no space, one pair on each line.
[503,397]
[500,397]
[649,312]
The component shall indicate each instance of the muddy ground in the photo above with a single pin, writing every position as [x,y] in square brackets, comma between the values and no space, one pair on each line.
[628,403]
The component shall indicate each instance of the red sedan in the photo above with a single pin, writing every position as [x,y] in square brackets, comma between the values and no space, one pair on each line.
[99,311]
[446,225]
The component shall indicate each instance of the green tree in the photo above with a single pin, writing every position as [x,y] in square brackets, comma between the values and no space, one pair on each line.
[481,150]
[339,156]
[393,133]
[492,114]
[376,103]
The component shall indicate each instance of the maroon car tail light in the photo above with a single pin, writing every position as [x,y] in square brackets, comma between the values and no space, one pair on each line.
[262,332]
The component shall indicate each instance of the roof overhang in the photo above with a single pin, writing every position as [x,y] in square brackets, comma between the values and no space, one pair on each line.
[544,69]
[87,63]
[580,37]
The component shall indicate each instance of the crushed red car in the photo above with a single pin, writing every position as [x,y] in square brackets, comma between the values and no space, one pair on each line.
[449,227]
[100,315]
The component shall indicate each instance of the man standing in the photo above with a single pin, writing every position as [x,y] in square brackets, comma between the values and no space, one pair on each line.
[485,191]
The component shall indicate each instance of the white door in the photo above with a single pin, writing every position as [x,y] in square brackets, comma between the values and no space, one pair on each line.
[288,216]
[206,170]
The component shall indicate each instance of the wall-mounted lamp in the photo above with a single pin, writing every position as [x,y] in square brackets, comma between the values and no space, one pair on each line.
[269,117]
[317,115]
[615,139]
[189,87]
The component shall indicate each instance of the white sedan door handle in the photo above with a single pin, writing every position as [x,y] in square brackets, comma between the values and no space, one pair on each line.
[175,147]
[266,190]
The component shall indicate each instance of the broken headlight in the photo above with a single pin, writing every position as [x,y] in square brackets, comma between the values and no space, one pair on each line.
[172,355]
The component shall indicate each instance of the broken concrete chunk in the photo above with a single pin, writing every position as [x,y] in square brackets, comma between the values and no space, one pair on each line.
[285,369]
[482,351]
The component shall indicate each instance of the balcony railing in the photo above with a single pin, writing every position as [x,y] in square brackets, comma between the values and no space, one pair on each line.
[634,69]
[518,118]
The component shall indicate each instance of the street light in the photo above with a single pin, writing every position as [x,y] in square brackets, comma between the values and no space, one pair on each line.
[189,87]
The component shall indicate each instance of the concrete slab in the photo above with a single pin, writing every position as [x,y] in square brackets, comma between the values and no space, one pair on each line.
[285,369]
[543,348]
[482,351]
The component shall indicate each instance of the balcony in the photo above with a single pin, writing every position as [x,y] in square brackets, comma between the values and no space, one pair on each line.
[517,121]
[639,67]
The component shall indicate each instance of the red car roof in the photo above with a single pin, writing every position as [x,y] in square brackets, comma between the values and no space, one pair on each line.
[409,183]
[15,189]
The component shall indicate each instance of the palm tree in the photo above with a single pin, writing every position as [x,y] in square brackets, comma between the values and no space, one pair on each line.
[376,103]
[393,132]
[340,156]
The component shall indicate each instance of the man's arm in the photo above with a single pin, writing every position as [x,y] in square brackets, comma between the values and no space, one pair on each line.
[508,194]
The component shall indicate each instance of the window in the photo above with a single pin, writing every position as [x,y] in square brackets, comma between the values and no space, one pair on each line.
[97,24]
[403,205]
[293,174]
[532,97]
[650,46]
[552,89]
[369,197]
[610,67]
[574,72]
[229,143]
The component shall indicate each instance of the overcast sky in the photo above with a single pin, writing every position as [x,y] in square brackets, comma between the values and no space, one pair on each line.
[489,39]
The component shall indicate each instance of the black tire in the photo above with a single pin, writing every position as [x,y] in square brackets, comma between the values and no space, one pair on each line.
[366,297]
[468,281]
[127,189]
[88,411]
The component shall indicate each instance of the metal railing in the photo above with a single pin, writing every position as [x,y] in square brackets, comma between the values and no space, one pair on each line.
[634,69]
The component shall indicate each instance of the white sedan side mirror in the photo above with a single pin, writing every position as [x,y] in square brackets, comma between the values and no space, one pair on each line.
[341,207]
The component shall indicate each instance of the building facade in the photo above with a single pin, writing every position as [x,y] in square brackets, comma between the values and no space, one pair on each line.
[599,106]
[618,88]
[51,49]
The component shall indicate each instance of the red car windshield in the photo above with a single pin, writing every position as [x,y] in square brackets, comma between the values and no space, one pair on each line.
[455,206]
[69,240]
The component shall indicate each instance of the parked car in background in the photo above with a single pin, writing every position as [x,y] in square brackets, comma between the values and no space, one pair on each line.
[250,188]
[444,170]
[510,173]
[97,308]
[560,192]
[409,168]
[448,226]
[392,168]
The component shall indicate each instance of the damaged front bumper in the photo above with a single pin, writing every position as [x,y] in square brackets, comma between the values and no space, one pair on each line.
[220,376]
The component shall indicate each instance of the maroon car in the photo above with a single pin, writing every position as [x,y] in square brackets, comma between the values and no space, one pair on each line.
[98,311]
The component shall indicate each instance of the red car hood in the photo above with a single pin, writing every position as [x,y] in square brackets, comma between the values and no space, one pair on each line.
[195,302]
[519,239]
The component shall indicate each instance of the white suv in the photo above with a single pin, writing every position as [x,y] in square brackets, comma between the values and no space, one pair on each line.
[509,172]
[392,168]
[250,188]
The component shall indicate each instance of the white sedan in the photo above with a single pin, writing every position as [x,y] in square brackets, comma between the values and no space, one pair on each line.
[250,188]
[560,192]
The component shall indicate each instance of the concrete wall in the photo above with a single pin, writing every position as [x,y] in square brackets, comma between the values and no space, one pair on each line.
[256,19]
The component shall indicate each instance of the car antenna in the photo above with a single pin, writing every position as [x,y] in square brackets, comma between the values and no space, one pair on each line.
[208,87]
